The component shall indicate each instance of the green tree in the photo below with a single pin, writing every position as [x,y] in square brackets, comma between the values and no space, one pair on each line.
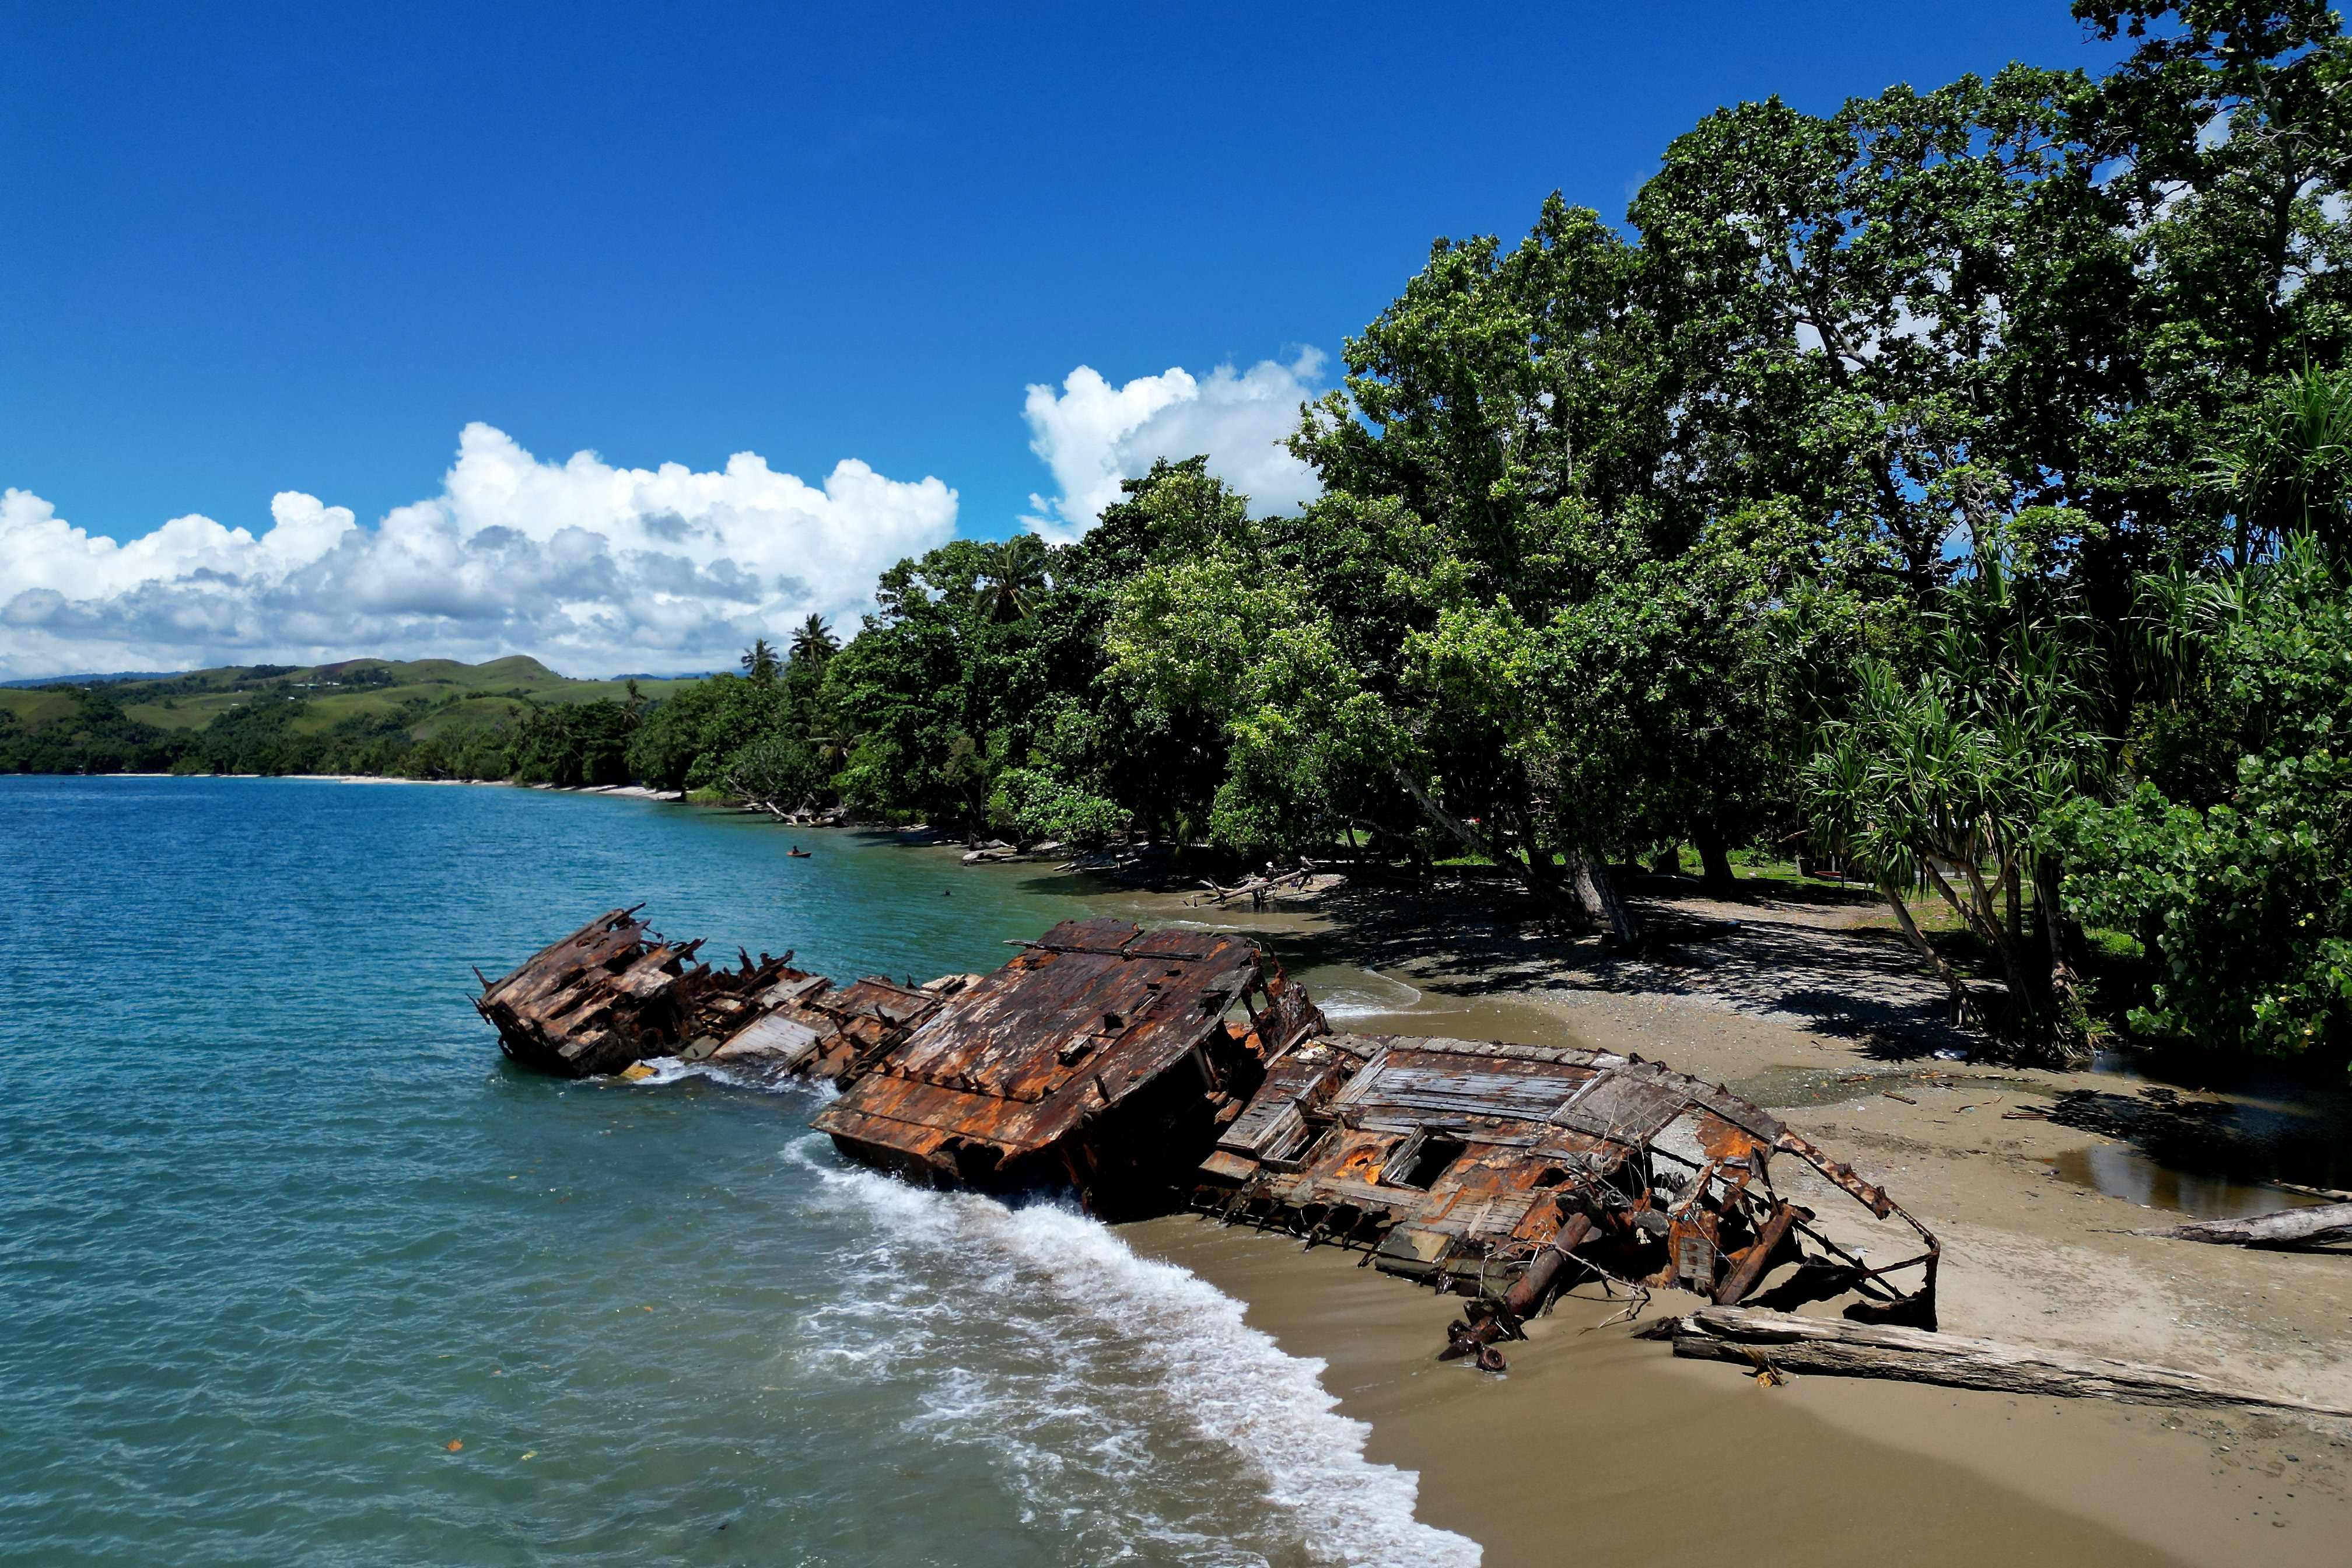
[1942,778]
[814,643]
[2224,860]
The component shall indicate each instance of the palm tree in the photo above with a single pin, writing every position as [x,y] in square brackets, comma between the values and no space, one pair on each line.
[815,642]
[1017,579]
[759,660]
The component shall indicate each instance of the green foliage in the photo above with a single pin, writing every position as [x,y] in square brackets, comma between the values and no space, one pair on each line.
[572,747]
[2225,862]
[1042,806]
[93,733]
[2243,904]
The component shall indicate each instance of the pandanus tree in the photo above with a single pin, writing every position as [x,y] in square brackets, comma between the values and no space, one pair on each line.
[1942,779]
[2290,471]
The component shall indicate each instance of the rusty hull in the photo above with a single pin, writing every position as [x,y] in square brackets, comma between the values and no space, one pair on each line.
[1130,1066]
[1102,1059]
[1511,1172]
[615,993]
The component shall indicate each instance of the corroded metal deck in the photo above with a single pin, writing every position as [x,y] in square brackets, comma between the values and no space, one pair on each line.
[1129,1066]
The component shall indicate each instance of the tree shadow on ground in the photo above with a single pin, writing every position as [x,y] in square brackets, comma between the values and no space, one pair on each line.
[1758,891]
[1476,941]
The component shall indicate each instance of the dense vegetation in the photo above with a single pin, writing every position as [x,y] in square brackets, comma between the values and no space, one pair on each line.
[1955,483]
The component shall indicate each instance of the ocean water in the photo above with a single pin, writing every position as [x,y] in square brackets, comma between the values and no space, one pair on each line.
[295,1268]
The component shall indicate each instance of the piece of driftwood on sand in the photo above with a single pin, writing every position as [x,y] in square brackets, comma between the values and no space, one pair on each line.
[1306,876]
[2314,1226]
[1769,1342]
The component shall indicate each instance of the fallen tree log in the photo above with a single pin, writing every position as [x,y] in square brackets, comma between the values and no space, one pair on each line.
[2333,1194]
[2313,1225]
[1758,1340]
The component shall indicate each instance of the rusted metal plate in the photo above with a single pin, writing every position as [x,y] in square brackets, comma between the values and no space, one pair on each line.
[1437,1083]
[614,992]
[1115,1062]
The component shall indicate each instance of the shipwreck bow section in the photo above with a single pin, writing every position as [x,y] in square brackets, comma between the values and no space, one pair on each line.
[1104,1058]
[614,994]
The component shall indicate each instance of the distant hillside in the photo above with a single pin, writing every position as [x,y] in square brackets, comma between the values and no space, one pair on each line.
[430,718]
[353,688]
[90,679]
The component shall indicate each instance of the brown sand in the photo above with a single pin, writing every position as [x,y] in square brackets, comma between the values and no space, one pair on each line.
[1598,1445]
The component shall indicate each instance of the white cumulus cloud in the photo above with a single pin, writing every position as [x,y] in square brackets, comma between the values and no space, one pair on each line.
[1091,435]
[589,567]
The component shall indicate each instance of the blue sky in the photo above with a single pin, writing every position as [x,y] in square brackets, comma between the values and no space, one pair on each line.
[270,249]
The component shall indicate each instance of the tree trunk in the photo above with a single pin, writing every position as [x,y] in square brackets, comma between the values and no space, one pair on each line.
[1667,862]
[1469,837]
[2309,1227]
[1928,951]
[1984,920]
[1753,1337]
[1596,893]
[2070,1017]
[1714,857]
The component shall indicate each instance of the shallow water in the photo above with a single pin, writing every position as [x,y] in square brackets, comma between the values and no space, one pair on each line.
[297,1268]
[2127,1173]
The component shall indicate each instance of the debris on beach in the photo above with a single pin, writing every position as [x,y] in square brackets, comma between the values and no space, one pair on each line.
[2321,1225]
[1510,1173]
[1134,1069]
[1783,1343]
[1304,880]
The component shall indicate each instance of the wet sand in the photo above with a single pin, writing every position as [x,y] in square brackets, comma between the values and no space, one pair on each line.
[1599,1444]
[1598,1447]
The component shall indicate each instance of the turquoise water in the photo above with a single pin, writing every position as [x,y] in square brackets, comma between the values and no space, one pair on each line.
[278,1226]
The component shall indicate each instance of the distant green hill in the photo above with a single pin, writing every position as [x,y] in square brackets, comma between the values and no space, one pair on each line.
[329,693]
[431,717]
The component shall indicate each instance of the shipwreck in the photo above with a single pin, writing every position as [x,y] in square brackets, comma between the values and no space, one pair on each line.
[1141,1071]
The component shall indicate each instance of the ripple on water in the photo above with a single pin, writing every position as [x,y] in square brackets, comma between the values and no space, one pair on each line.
[278,1227]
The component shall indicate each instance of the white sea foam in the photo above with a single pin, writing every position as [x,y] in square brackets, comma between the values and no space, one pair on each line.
[1372,997]
[670,1070]
[1125,1401]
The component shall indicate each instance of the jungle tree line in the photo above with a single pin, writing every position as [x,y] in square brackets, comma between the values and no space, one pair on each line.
[1953,484]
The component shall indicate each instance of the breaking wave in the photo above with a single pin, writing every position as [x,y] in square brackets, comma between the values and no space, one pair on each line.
[1123,1401]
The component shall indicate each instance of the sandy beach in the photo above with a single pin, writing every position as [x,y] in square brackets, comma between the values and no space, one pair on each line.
[1599,1443]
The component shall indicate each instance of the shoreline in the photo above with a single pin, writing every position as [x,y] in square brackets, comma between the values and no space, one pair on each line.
[625,792]
[1826,1470]
[1587,1414]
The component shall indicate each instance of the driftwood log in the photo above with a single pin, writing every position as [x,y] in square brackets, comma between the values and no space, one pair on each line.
[2333,1194]
[1767,1341]
[2316,1226]
[1298,875]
